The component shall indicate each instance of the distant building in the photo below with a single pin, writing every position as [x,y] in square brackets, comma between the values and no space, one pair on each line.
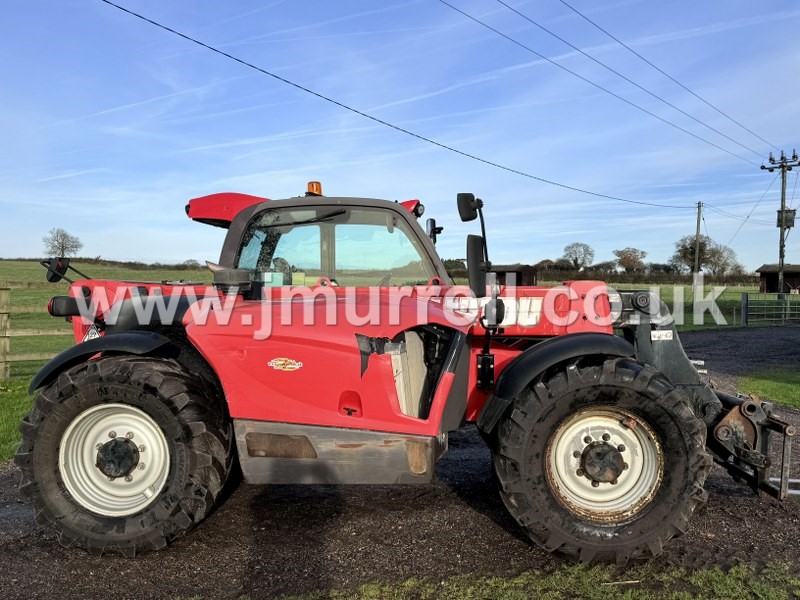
[769,278]
[521,275]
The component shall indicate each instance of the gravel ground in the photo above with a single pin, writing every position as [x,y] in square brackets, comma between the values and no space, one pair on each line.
[269,540]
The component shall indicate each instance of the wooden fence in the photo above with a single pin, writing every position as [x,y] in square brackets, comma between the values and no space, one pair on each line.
[6,334]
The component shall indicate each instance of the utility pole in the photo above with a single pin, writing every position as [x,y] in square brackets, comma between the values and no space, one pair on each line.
[697,291]
[785,219]
[697,239]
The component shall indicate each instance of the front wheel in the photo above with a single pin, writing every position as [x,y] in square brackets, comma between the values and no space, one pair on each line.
[602,460]
[124,454]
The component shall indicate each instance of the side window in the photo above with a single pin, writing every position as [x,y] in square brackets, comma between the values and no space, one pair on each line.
[292,252]
[370,254]
[352,246]
[297,255]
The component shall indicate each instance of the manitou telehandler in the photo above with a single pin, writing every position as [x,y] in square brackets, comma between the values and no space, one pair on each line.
[333,348]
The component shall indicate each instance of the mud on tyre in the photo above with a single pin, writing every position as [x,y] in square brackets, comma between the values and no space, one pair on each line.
[124,454]
[601,459]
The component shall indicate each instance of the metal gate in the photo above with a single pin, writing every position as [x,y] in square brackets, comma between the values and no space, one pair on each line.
[770,309]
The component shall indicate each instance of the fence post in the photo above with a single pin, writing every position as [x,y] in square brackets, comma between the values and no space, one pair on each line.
[5,333]
[744,308]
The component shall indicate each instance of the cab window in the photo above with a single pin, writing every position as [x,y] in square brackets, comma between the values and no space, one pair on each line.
[350,246]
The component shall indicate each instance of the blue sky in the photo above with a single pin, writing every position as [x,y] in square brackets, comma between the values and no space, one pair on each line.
[111,125]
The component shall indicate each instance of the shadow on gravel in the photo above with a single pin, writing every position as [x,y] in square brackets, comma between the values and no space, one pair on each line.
[277,564]
[467,470]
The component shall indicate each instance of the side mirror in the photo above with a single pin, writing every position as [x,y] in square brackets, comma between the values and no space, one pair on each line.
[468,206]
[56,268]
[476,266]
[230,281]
[432,230]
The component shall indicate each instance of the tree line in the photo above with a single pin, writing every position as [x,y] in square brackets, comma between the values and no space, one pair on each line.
[714,259]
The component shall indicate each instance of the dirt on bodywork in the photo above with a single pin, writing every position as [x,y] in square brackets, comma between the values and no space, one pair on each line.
[270,540]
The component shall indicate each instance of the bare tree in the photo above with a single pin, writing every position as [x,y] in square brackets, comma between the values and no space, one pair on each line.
[580,255]
[684,252]
[606,267]
[60,243]
[630,259]
[722,260]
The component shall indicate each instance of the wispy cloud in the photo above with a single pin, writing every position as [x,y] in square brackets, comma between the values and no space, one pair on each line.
[69,175]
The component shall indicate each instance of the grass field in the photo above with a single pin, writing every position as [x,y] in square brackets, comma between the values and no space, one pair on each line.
[643,582]
[778,385]
[15,402]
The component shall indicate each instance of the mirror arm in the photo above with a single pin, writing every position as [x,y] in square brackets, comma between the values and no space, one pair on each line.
[488,265]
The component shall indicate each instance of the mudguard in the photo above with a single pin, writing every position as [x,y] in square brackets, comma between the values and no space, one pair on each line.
[131,342]
[529,364]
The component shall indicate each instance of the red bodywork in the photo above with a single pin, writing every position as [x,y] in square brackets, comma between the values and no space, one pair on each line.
[322,376]
[273,366]
[220,209]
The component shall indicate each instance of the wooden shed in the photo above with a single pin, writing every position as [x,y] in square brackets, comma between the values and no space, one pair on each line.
[769,278]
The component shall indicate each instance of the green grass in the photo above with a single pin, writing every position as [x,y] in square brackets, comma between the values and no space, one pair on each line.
[729,303]
[16,403]
[39,320]
[24,271]
[643,582]
[40,344]
[777,385]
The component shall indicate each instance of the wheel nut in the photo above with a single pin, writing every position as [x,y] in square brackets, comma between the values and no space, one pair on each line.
[141,466]
[575,454]
[98,446]
[111,478]
[129,435]
[624,466]
[621,447]
[595,483]
[587,440]
[112,434]
[141,448]
[614,482]
[579,473]
[606,437]
[128,478]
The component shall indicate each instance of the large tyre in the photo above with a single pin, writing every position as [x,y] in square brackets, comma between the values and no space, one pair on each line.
[602,460]
[124,454]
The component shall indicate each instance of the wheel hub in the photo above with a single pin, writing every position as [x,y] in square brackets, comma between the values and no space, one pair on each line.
[114,475]
[602,462]
[117,457]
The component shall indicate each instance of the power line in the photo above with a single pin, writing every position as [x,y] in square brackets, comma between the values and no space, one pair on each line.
[733,216]
[376,119]
[629,80]
[665,74]
[752,209]
[590,82]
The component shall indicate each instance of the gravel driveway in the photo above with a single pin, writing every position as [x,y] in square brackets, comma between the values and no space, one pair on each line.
[267,540]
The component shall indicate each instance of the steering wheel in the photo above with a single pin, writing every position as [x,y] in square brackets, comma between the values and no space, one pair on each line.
[325,282]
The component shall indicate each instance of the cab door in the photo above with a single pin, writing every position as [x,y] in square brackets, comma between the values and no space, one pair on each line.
[346,331]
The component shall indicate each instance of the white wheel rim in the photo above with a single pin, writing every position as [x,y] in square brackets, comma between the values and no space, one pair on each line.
[636,485]
[88,485]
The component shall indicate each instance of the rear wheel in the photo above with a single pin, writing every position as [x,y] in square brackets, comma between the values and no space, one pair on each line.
[124,454]
[602,459]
